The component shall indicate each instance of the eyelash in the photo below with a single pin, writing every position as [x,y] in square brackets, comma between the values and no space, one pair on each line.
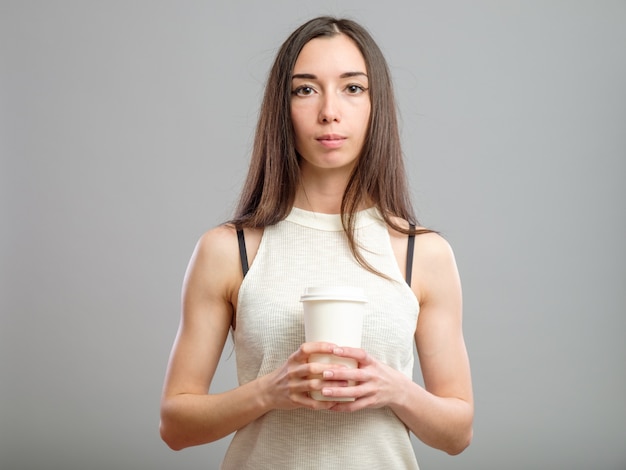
[361,89]
[297,91]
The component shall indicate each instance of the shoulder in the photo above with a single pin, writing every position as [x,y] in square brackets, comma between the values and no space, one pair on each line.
[434,265]
[215,264]
[429,245]
[218,242]
[218,248]
[432,248]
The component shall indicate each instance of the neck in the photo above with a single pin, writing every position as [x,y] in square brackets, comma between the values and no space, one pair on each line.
[323,200]
[321,191]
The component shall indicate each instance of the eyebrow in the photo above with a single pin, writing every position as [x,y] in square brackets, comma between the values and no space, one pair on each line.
[310,76]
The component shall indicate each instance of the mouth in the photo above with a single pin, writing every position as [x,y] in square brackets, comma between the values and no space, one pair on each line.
[331,140]
[331,137]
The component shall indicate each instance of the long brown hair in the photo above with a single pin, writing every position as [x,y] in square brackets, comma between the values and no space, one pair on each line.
[379,176]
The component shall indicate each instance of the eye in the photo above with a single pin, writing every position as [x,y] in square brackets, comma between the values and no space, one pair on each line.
[355,89]
[303,90]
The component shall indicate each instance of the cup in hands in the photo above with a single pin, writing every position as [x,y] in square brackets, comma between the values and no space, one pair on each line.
[333,315]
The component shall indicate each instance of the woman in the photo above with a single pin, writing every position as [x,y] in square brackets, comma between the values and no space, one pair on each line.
[325,203]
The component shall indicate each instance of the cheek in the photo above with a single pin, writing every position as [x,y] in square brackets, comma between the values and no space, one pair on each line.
[365,121]
[298,127]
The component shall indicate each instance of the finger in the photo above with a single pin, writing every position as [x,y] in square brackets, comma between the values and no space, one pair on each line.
[318,381]
[318,368]
[300,394]
[354,353]
[304,400]
[346,374]
[306,349]
[310,370]
[342,392]
[318,348]
[302,381]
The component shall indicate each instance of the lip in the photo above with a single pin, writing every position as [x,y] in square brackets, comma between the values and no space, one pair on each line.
[331,141]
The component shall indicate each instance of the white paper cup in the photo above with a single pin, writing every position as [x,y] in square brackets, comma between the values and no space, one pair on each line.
[334,315]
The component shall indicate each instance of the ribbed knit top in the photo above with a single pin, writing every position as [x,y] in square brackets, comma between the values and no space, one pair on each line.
[311,249]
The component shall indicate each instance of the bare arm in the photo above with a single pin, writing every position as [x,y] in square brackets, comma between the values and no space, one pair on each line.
[190,414]
[440,413]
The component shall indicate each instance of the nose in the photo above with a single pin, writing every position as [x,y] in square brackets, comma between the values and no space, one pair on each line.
[329,110]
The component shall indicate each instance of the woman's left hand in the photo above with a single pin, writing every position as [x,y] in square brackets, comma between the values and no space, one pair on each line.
[376,384]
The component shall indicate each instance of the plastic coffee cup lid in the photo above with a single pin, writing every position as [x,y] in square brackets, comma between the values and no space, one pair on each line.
[346,293]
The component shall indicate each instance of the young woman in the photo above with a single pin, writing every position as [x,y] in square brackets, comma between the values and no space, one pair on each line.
[325,203]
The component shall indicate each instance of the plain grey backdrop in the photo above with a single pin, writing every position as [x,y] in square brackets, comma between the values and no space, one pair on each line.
[125,129]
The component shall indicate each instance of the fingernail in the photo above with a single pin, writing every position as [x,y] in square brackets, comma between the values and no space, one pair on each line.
[327,392]
[337,351]
[327,374]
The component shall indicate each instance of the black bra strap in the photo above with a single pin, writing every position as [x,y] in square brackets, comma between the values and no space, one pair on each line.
[243,254]
[409,254]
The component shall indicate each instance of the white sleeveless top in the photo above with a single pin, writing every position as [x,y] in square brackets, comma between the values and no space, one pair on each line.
[310,249]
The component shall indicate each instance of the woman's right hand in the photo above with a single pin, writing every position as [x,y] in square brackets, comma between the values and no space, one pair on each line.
[288,386]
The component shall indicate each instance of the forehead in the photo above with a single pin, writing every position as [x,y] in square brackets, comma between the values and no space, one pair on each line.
[336,53]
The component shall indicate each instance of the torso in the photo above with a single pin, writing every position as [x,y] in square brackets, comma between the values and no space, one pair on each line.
[310,249]
[398,240]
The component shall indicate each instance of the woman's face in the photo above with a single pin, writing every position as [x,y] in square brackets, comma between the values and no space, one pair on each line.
[330,103]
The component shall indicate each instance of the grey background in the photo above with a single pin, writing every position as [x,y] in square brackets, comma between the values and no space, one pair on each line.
[125,132]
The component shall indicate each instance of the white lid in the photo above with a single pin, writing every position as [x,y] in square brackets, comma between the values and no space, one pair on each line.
[347,293]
